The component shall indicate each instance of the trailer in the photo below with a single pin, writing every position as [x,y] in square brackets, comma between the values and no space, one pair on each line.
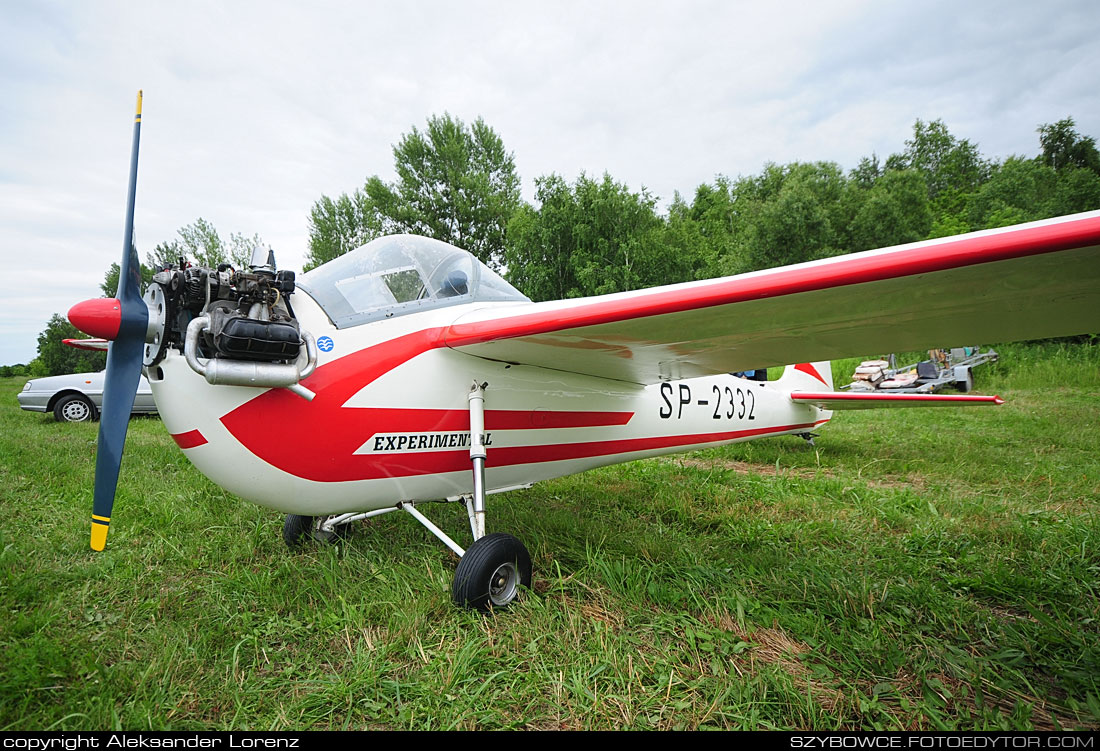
[943,368]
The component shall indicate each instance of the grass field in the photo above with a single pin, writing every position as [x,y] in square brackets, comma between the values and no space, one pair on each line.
[920,569]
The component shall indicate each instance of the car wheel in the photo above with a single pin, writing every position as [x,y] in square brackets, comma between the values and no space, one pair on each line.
[74,408]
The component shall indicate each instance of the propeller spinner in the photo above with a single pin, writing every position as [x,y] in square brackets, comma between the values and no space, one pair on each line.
[124,321]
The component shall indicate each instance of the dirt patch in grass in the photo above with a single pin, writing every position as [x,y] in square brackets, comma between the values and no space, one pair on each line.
[773,647]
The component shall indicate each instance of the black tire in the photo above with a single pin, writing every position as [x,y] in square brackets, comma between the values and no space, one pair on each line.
[74,408]
[491,573]
[297,529]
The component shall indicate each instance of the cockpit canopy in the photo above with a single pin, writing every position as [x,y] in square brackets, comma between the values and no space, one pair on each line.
[402,274]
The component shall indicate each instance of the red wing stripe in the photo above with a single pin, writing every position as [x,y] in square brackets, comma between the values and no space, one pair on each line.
[921,258]
[845,396]
[189,440]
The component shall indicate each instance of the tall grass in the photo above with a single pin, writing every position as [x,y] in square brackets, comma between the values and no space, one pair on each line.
[917,569]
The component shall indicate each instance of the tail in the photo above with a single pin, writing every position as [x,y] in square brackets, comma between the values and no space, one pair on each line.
[807,376]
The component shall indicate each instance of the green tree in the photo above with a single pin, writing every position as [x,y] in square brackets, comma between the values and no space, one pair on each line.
[592,238]
[337,226]
[201,243]
[1024,190]
[1075,190]
[947,163]
[57,358]
[952,168]
[866,173]
[539,243]
[109,285]
[895,211]
[799,216]
[718,213]
[1063,147]
[165,254]
[1019,190]
[456,183]
[687,238]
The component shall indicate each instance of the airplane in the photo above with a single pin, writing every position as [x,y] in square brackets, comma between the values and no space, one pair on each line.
[407,372]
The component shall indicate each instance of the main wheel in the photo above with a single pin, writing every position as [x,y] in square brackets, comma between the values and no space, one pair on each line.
[74,408]
[491,573]
[297,529]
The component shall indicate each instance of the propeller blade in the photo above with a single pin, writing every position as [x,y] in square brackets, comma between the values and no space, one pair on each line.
[124,362]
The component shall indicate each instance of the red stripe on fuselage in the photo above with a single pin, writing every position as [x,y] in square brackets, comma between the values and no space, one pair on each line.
[391,465]
[397,420]
[327,434]
[189,440]
[457,461]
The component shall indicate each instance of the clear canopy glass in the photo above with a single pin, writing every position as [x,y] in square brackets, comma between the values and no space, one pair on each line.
[402,274]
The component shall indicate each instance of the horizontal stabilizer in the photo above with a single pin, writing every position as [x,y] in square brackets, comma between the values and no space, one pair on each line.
[92,344]
[849,400]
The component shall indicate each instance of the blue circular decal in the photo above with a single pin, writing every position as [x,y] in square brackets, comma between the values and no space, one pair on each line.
[325,344]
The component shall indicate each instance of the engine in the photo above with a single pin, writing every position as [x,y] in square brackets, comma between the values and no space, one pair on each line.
[234,327]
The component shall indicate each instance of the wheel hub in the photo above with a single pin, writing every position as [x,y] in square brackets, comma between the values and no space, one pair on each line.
[503,583]
[75,411]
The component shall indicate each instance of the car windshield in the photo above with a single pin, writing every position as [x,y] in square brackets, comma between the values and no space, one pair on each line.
[402,274]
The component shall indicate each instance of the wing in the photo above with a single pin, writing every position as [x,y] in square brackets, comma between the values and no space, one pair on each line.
[1030,281]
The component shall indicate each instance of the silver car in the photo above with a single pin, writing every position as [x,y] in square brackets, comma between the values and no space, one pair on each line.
[77,397]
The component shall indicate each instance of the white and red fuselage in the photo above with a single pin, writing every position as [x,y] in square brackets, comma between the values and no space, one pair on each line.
[391,420]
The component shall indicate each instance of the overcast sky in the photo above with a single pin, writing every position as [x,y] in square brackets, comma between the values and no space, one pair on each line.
[253,110]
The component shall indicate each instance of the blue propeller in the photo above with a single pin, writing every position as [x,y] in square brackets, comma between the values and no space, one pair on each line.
[124,321]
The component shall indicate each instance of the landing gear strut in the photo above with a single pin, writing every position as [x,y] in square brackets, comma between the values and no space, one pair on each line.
[491,572]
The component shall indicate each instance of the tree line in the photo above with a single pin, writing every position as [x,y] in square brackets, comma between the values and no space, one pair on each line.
[587,236]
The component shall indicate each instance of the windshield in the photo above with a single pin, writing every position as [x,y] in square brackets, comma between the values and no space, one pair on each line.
[401,274]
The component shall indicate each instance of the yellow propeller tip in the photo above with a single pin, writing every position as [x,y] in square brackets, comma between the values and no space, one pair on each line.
[99,535]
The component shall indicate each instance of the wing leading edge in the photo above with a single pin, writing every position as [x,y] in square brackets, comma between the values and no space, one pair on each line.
[1030,281]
